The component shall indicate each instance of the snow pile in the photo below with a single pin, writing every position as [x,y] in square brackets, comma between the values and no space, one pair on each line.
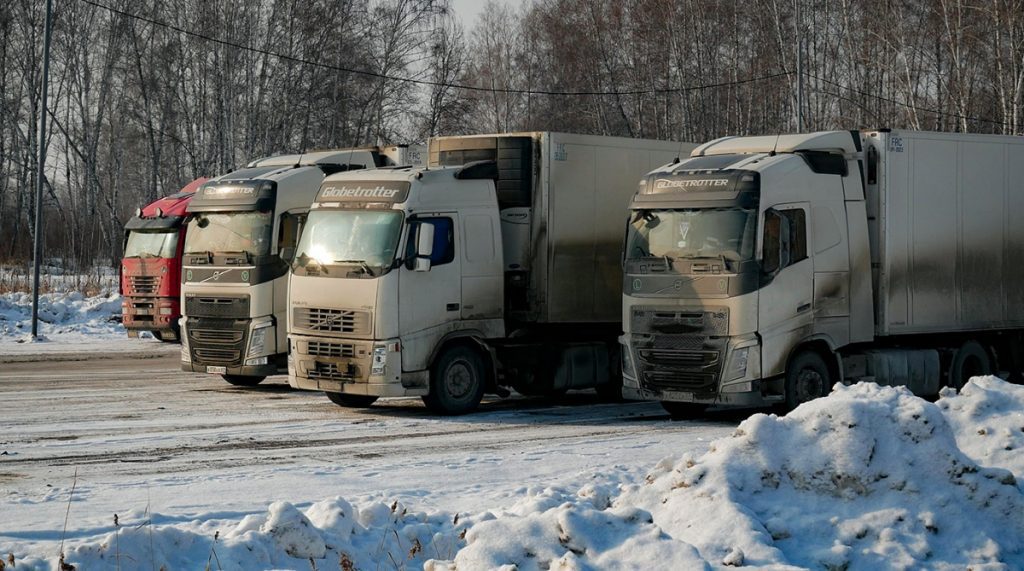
[552,530]
[988,419]
[331,533]
[870,477]
[61,314]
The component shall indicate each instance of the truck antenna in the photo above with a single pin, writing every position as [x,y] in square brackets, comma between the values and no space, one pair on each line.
[775,146]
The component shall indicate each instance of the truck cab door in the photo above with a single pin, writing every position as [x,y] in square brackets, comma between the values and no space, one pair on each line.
[785,313]
[429,300]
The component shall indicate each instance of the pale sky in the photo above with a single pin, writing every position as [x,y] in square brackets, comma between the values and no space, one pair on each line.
[468,10]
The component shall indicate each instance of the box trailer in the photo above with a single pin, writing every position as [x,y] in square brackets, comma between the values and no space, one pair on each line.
[498,266]
[765,269]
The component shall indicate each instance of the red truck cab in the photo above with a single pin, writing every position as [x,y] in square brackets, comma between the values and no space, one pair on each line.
[151,267]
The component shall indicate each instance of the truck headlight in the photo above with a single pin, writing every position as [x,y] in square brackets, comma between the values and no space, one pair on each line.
[258,340]
[379,360]
[627,362]
[737,364]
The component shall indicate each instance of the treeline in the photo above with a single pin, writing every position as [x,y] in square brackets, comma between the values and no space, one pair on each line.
[146,95]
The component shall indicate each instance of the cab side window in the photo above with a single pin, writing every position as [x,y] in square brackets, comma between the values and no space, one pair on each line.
[444,241]
[288,231]
[785,238]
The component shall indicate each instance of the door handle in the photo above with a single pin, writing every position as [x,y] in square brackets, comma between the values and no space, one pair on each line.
[452,307]
[802,308]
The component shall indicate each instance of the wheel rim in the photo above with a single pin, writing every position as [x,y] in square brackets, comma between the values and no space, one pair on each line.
[809,385]
[458,379]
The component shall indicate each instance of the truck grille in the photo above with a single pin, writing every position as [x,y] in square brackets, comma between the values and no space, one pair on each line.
[673,362]
[331,371]
[328,320]
[217,336]
[144,284]
[679,358]
[680,381]
[218,355]
[321,349]
[218,342]
[236,307]
[680,321]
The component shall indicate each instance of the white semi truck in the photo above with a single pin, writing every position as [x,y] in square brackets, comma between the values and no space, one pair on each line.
[763,270]
[242,232]
[497,266]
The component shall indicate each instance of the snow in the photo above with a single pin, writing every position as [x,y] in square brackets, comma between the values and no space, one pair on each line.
[69,322]
[867,478]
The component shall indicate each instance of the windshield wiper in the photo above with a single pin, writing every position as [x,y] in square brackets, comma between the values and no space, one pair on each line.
[362,265]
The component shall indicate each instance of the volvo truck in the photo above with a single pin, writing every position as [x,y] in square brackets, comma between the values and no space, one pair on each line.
[496,267]
[240,238]
[150,278]
[763,270]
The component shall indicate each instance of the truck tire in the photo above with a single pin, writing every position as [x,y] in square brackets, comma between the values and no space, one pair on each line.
[351,401]
[684,410]
[457,381]
[807,378]
[970,360]
[242,380]
[172,337]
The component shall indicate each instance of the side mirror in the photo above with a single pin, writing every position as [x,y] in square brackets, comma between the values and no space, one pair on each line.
[424,240]
[421,265]
[287,253]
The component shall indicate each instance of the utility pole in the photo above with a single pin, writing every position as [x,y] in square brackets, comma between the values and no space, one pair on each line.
[799,70]
[37,245]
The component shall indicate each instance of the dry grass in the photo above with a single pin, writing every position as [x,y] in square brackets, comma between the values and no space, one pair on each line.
[95,280]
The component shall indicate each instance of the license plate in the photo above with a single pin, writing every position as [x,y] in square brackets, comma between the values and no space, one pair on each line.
[220,370]
[677,396]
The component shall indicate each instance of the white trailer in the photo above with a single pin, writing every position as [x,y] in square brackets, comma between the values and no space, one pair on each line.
[765,269]
[496,267]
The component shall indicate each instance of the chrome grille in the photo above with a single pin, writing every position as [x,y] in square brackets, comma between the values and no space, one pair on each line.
[145,284]
[217,335]
[332,320]
[321,349]
[331,371]
[679,358]
[217,355]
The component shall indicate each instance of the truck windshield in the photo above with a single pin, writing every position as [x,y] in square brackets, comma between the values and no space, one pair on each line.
[223,232]
[367,239]
[151,244]
[722,233]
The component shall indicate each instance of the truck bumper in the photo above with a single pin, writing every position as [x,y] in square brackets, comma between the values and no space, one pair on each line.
[141,313]
[230,347]
[644,380]
[350,366]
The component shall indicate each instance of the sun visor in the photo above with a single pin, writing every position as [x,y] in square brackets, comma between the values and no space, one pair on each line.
[234,195]
[138,224]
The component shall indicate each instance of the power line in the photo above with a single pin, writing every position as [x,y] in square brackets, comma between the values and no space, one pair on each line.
[908,105]
[376,75]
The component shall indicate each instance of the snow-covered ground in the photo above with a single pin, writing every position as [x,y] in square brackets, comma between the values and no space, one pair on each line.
[69,322]
[202,475]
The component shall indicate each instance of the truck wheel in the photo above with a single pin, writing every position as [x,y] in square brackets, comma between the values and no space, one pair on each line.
[683,410]
[970,360]
[351,401]
[807,378]
[456,381]
[242,380]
